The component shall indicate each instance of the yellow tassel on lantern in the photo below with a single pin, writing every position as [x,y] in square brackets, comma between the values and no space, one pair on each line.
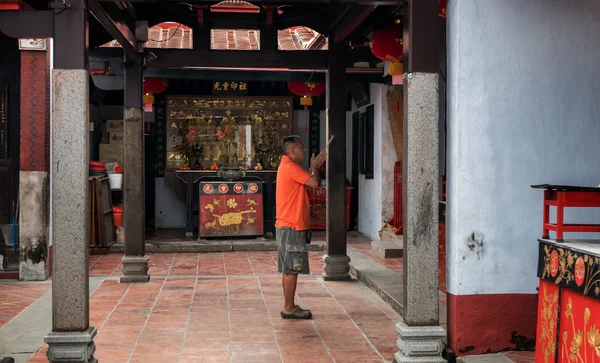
[396,68]
[306,101]
[148,101]
[148,98]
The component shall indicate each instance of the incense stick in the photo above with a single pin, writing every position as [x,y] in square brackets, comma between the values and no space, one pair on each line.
[329,142]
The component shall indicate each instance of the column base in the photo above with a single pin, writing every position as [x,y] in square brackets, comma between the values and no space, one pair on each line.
[336,268]
[135,269]
[71,346]
[420,344]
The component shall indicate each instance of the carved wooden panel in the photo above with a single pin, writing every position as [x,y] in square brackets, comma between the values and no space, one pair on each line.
[270,119]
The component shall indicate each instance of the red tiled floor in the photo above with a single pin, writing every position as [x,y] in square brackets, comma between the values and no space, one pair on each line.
[224,307]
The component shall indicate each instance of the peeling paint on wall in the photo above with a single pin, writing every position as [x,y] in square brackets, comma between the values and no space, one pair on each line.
[33,225]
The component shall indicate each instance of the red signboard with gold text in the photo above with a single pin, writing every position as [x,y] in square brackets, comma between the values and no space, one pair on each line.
[231,209]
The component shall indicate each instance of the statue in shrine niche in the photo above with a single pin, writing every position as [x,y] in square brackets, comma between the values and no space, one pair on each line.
[228,119]
[211,127]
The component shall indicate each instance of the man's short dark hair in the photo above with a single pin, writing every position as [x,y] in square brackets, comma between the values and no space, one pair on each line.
[288,142]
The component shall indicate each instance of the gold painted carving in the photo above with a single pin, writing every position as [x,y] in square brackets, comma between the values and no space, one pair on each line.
[548,323]
[587,274]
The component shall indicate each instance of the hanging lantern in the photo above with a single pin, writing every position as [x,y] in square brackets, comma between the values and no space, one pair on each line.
[443,4]
[307,90]
[386,44]
[153,86]
[11,5]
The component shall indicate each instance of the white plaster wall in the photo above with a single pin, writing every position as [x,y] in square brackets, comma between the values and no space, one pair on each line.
[376,196]
[523,109]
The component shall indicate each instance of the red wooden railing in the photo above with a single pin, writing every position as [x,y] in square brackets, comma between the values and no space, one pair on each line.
[398,219]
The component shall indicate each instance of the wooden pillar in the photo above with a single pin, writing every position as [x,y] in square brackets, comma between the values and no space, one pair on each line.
[336,259]
[201,39]
[34,163]
[135,262]
[71,334]
[269,36]
[421,338]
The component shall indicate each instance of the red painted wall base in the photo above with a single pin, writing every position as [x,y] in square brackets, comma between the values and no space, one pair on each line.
[9,275]
[485,323]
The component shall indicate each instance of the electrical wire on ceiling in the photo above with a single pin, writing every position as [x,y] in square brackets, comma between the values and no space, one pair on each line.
[169,38]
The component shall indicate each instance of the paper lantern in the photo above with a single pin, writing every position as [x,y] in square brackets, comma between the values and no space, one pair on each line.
[386,44]
[10,5]
[153,86]
[307,90]
[442,11]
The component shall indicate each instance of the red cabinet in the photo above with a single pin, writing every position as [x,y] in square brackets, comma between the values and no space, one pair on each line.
[568,322]
[318,208]
[231,209]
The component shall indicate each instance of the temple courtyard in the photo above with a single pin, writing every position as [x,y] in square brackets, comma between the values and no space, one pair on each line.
[221,307]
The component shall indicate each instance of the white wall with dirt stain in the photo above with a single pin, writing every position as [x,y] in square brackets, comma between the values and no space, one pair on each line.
[523,109]
[376,196]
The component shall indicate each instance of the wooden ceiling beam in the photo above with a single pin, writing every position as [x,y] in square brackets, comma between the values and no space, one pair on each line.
[118,30]
[350,21]
[286,2]
[175,58]
[188,59]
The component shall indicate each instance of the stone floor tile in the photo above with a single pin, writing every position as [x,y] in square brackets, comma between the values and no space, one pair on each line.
[342,355]
[521,357]
[204,359]
[154,357]
[488,358]
[224,307]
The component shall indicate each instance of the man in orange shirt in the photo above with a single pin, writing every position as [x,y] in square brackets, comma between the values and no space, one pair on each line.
[293,220]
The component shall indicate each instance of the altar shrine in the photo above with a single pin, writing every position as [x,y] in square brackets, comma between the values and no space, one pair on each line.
[569,271]
[226,149]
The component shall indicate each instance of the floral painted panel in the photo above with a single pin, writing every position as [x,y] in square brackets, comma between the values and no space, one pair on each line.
[579,336]
[547,322]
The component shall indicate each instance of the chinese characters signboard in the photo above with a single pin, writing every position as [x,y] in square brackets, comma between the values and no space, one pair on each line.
[229,88]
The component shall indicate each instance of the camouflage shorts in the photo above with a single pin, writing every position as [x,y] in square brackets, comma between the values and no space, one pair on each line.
[292,251]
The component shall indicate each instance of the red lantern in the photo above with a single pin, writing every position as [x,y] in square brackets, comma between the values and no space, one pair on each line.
[306,90]
[386,44]
[153,86]
[10,5]
[442,11]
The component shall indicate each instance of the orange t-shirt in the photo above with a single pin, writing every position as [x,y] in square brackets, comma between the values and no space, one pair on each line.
[291,201]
